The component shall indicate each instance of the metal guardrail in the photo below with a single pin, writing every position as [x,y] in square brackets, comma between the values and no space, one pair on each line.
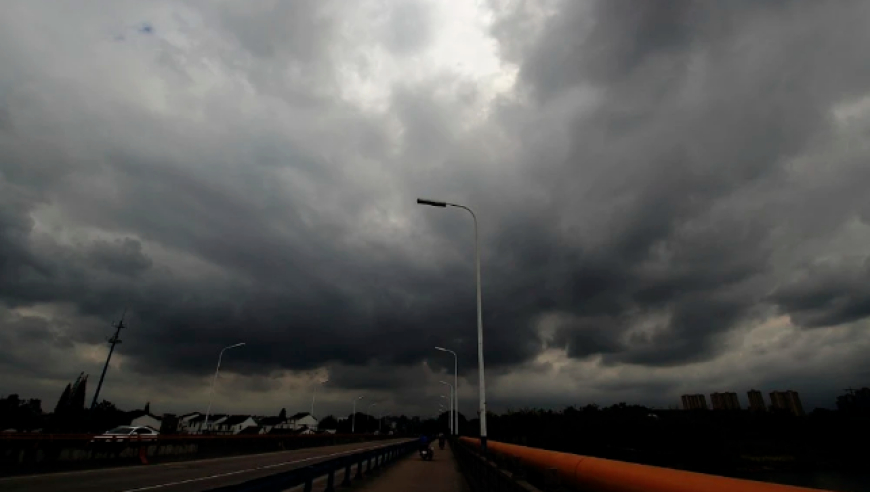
[373,459]
[21,454]
[484,475]
[564,471]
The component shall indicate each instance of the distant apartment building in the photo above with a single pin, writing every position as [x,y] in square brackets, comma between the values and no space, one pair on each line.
[724,401]
[694,402]
[756,401]
[787,400]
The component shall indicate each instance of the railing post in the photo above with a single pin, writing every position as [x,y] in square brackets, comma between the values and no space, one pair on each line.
[346,480]
[359,472]
[330,481]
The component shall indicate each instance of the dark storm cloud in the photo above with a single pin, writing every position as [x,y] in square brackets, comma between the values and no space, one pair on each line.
[123,257]
[827,295]
[352,312]
[643,196]
[625,37]
[700,101]
[41,346]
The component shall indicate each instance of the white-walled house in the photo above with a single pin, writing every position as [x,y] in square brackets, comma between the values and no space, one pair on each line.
[214,424]
[302,420]
[268,423]
[146,420]
[233,424]
[188,423]
[196,424]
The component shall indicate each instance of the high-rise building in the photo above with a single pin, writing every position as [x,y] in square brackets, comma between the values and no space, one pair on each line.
[694,402]
[756,401]
[787,400]
[724,401]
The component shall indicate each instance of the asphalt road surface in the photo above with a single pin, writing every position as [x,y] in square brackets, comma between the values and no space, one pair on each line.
[183,476]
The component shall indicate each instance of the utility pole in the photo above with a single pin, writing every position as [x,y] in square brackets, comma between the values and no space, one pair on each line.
[114,340]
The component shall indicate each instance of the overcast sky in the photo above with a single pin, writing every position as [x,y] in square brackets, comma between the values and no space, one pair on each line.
[672,198]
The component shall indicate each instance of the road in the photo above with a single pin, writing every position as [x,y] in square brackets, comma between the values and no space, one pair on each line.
[183,476]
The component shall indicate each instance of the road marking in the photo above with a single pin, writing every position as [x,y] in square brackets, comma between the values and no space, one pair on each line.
[179,464]
[264,467]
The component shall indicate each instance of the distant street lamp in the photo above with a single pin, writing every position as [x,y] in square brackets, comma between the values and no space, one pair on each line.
[353,417]
[368,412]
[482,389]
[455,389]
[315,394]
[208,411]
[452,399]
[443,410]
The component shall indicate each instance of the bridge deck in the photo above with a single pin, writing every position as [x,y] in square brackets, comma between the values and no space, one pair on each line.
[413,474]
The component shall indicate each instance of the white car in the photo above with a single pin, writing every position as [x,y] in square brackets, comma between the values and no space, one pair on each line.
[127,433]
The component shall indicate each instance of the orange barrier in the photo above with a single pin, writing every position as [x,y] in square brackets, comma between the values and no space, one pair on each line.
[601,475]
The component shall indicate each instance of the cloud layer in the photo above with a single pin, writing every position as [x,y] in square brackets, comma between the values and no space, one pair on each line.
[671,198]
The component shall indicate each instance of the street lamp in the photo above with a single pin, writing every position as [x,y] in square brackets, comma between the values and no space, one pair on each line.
[211,396]
[449,417]
[455,389]
[452,408]
[435,203]
[353,417]
[315,394]
[367,413]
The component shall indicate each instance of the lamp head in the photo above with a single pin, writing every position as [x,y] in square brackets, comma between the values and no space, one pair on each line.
[431,203]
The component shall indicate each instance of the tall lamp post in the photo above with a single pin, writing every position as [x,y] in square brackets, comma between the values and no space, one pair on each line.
[434,203]
[452,407]
[353,417]
[221,356]
[449,417]
[455,389]
[367,413]
[315,394]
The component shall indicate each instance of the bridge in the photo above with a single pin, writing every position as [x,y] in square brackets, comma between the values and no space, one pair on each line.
[388,465]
